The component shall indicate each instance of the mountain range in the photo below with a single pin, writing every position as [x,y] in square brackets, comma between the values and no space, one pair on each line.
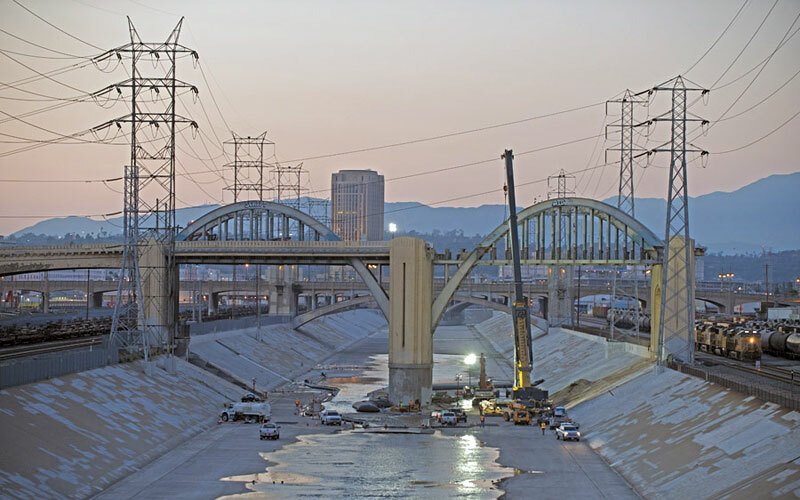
[763,214]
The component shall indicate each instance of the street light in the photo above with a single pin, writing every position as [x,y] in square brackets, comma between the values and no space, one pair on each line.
[392,229]
[470,360]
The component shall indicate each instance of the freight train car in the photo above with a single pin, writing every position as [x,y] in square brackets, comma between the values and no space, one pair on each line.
[727,339]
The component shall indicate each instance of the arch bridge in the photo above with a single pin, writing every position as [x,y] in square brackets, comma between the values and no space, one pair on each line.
[563,232]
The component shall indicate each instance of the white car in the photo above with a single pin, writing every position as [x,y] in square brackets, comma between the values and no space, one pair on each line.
[330,417]
[567,431]
[449,418]
[269,431]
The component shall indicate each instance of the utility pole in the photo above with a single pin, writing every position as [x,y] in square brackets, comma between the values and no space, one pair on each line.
[766,286]
[149,192]
[677,281]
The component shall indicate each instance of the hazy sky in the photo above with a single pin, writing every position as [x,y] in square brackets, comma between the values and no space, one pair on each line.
[325,77]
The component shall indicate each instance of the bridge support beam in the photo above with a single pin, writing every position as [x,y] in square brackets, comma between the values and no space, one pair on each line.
[655,305]
[282,300]
[560,296]
[410,334]
[159,302]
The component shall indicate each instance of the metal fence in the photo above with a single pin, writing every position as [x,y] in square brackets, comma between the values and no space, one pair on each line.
[777,396]
[38,367]
[224,325]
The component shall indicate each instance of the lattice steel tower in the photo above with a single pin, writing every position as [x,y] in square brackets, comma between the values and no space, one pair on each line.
[676,325]
[148,321]
[625,194]
[248,155]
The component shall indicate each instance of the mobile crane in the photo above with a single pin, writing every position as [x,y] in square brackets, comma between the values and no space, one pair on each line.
[523,351]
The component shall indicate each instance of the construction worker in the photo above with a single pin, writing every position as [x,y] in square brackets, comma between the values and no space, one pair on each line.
[483,420]
[543,426]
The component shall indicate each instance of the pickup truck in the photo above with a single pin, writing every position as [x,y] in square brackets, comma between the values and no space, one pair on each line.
[449,418]
[260,412]
[330,417]
[568,431]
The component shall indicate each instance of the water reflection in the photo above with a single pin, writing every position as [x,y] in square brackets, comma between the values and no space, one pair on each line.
[369,465]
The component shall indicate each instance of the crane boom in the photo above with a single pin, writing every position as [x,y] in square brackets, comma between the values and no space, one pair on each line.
[523,352]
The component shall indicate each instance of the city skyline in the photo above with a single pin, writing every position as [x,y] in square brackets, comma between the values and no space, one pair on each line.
[324,80]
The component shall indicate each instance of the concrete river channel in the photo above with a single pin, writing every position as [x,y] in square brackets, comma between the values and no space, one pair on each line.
[353,464]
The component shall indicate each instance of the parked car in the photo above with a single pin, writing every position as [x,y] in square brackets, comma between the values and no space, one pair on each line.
[449,418]
[567,431]
[330,417]
[461,415]
[269,431]
[249,398]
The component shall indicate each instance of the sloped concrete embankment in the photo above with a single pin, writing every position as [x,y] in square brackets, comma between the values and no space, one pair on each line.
[675,436]
[72,436]
[282,353]
[564,357]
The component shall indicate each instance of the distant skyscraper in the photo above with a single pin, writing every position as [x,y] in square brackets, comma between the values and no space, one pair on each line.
[357,205]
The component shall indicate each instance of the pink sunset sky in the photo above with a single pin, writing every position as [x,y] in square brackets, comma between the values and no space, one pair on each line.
[329,77]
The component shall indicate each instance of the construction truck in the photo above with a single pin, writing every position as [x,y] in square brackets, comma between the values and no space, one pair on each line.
[249,412]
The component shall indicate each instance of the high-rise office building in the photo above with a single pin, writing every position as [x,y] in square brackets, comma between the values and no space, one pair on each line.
[357,205]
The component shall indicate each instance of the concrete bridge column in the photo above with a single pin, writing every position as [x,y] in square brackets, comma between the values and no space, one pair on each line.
[410,335]
[97,300]
[159,287]
[213,302]
[46,293]
[678,304]
[282,300]
[560,295]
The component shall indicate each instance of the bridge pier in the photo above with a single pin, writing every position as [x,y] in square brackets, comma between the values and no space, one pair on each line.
[213,302]
[679,308]
[410,335]
[97,300]
[159,290]
[560,296]
[282,300]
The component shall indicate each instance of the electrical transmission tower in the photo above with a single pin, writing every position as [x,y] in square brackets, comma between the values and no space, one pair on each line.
[148,321]
[248,155]
[676,318]
[560,290]
[625,196]
[288,184]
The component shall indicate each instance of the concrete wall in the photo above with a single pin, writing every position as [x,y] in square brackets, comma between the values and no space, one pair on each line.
[282,353]
[75,435]
[676,436]
[19,371]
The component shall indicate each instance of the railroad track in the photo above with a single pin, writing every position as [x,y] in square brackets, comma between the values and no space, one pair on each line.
[767,371]
[49,347]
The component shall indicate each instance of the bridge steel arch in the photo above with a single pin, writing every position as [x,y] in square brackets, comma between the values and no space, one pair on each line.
[269,221]
[336,307]
[596,234]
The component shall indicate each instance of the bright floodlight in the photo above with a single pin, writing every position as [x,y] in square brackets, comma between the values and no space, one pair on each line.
[470,359]
[392,227]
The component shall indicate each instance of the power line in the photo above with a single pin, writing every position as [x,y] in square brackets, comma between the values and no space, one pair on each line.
[746,45]
[760,138]
[42,46]
[37,16]
[448,135]
[777,48]
[718,38]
